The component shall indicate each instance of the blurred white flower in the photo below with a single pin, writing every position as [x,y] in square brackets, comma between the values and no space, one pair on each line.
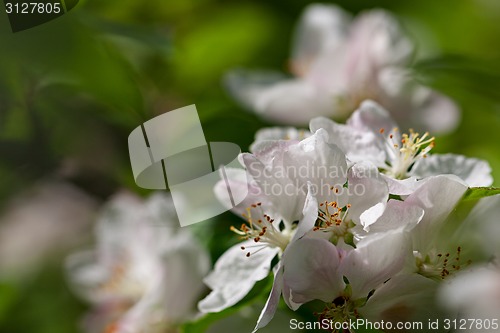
[475,294]
[370,134]
[43,221]
[337,63]
[145,274]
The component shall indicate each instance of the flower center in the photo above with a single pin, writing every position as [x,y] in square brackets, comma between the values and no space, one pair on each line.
[341,310]
[122,282]
[263,229]
[333,218]
[440,266]
[402,154]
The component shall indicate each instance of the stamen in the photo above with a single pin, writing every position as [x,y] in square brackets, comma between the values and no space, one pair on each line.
[261,229]
[440,267]
[403,153]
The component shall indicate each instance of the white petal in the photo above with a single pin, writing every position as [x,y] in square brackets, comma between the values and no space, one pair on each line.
[234,275]
[397,214]
[437,112]
[277,133]
[314,160]
[287,101]
[239,183]
[368,194]
[475,293]
[414,105]
[378,257]
[185,265]
[473,171]
[358,144]
[309,215]
[311,270]
[404,298]
[372,116]
[402,186]
[376,40]
[321,29]
[437,197]
[85,276]
[273,300]
[278,189]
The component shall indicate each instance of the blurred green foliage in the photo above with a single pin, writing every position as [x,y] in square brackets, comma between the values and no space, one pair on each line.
[73,89]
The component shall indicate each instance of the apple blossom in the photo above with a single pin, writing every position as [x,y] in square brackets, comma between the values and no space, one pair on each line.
[145,273]
[475,295]
[403,159]
[337,63]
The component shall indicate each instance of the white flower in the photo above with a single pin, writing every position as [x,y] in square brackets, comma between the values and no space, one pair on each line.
[436,253]
[314,268]
[371,134]
[392,272]
[339,62]
[475,294]
[145,273]
[291,183]
[433,246]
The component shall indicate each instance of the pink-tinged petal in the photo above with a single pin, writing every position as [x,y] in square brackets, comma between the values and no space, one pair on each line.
[311,270]
[404,298]
[268,136]
[414,105]
[234,275]
[273,300]
[285,199]
[321,29]
[371,116]
[270,153]
[282,100]
[438,113]
[240,183]
[378,257]
[437,197]
[368,194]
[316,161]
[375,41]
[358,144]
[473,171]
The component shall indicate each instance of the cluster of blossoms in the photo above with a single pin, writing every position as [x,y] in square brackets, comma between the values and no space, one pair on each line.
[145,273]
[380,252]
[357,215]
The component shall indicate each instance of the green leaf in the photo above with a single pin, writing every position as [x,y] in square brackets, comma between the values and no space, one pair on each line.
[475,193]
